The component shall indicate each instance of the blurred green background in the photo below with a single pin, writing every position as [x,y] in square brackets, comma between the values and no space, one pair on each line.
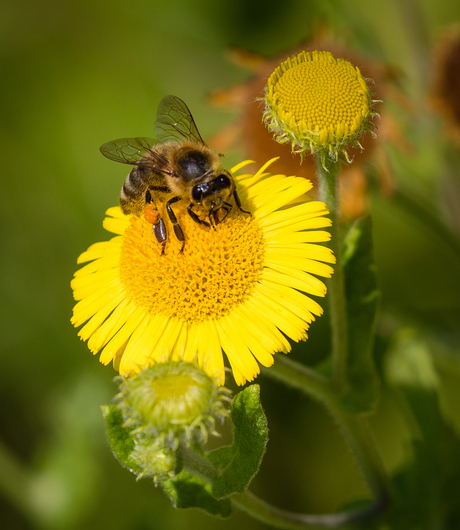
[76,74]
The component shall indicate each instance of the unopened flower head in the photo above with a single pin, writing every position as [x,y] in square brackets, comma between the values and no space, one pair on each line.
[242,288]
[176,402]
[319,104]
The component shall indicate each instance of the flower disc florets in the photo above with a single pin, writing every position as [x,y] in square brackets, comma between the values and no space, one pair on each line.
[193,285]
[319,104]
[173,401]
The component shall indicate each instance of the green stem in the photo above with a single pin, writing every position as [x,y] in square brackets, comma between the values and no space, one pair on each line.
[357,433]
[278,518]
[354,427]
[298,376]
[328,183]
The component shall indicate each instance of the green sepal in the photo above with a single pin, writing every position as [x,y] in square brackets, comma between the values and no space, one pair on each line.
[119,437]
[239,463]
[190,491]
[362,298]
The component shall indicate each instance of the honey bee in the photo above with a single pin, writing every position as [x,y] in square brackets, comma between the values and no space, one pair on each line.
[176,165]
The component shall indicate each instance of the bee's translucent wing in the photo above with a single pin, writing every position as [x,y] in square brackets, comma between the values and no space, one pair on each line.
[128,150]
[175,122]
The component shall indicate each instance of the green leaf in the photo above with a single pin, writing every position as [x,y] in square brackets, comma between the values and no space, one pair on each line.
[120,440]
[362,298]
[190,491]
[238,464]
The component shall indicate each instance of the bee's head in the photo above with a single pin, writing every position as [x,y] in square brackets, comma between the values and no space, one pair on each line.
[210,194]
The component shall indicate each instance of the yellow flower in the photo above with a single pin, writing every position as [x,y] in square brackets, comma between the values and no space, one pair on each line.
[239,288]
[318,103]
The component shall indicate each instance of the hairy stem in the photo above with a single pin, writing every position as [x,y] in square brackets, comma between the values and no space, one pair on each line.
[328,183]
[278,518]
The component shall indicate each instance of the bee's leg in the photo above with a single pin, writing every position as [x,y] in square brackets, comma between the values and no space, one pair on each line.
[194,216]
[238,202]
[227,207]
[148,195]
[159,229]
[213,217]
[214,212]
[172,216]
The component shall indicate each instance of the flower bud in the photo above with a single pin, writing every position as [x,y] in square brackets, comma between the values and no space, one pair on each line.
[169,404]
[319,104]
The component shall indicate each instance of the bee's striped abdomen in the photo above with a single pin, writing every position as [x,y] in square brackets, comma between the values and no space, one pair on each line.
[133,191]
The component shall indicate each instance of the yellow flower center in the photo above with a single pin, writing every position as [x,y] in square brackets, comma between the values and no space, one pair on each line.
[172,386]
[217,270]
[173,397]
[317,93]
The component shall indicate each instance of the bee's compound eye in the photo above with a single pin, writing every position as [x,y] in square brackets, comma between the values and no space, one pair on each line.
[197,193]
[222,181]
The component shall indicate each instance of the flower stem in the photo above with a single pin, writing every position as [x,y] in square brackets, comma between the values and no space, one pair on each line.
[298,376]
[328,184]
[354,426]
[278,518]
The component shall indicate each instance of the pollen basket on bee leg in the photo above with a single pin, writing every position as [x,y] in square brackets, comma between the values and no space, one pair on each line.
[151,213]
